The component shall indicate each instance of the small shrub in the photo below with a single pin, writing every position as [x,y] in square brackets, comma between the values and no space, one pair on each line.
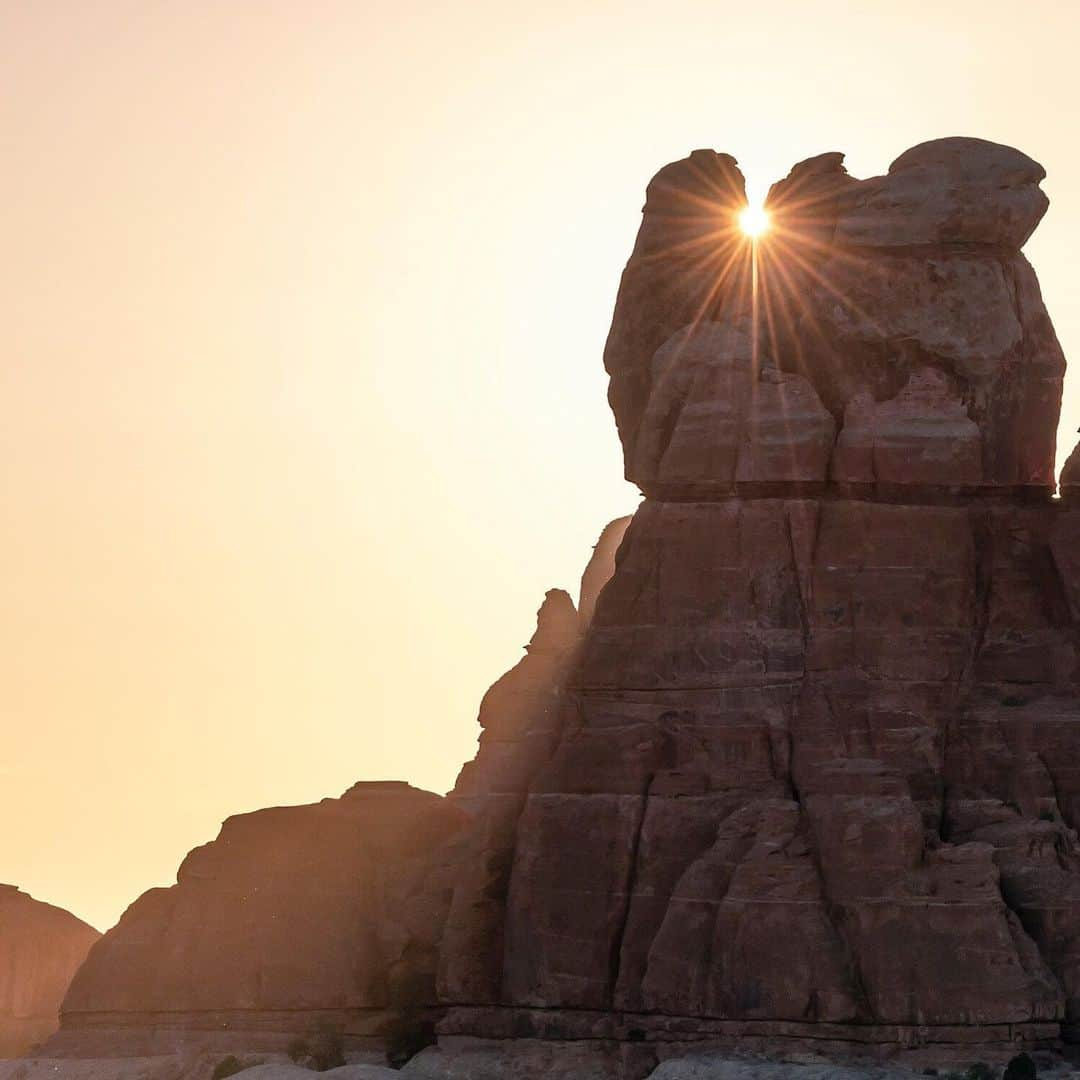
[405,1037]
[980,1071]
[409,1030]
[298,1050]
[227,1066]
[1021,1067]
[326,1048]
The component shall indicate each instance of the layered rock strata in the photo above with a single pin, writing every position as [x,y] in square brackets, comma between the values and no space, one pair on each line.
[294,918]
[41,947]
[898,307]
[816,781]
[362,915]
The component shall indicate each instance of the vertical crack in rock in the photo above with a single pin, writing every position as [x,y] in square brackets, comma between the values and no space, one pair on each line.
[835,914]
[982,536]
[615,960]
[803,577]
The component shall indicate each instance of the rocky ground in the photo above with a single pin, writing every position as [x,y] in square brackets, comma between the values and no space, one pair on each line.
[527,1060]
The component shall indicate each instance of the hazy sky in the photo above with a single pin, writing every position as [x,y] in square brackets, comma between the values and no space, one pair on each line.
[301,398]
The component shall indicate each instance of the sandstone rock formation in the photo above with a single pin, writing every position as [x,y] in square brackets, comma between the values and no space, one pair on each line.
[816,779]
[293,917]
[41,946]
[863,286]
[336,914]
[802,772]
[1070,475]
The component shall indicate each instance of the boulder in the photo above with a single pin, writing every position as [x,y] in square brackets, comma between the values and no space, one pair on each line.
[923,436]
[948,191]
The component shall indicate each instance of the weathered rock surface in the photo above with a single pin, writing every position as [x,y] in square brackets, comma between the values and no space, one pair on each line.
[521,717]
[922,436]
[1070,475]
[600,568]
[949,191]
[802,774]
[41,947]
[178,1067]
[689,265]
[861,289]
[720,414]
[336,914]
[529,1059]
[814,784]
[327,913]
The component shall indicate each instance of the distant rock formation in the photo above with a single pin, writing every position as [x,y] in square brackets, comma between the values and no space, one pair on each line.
[294,916]
[41,947]
[363,913]
[803,771]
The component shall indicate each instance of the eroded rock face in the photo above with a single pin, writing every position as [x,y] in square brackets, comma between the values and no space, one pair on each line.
[689,265]
[1070,475]
[600,568]
[292,915]
[802,772]
[362,913]
[721,414]
[41,947]
[755,811]
[922,436]
[521,718]
[863,288]
[949,191]
[817,783]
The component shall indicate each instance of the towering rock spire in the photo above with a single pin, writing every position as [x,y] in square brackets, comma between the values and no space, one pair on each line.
[802,771]
[820,776]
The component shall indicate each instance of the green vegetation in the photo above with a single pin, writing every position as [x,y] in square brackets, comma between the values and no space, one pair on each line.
[1021,1067]
[410,1029]
[228,1066]
[323,1049]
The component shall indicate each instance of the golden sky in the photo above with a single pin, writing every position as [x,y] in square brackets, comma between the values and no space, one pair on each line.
[301,402]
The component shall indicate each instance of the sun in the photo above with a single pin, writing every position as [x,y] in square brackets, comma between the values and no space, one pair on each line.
[754,221]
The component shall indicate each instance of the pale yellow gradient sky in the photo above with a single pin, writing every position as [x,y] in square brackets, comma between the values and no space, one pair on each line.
[301,402]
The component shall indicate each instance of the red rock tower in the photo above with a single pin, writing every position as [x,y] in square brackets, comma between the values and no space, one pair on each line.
[819,774]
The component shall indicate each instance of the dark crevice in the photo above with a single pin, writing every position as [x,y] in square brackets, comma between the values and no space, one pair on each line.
[833,911]
[615,957]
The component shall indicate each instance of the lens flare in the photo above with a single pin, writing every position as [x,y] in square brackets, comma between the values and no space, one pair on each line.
[754,221]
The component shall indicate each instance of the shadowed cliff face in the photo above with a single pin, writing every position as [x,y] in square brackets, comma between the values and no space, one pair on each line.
[41,947]
[825,715]
[364,912]
[327,911]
